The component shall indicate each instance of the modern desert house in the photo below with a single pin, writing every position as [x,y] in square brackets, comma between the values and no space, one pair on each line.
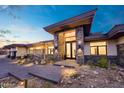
[73,39]
[21,50]
[16,50]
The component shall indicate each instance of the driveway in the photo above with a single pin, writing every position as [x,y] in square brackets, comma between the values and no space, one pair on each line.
[6,66]
[52,73]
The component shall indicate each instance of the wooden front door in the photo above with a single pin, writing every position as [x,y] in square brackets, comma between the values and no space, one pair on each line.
[70,50]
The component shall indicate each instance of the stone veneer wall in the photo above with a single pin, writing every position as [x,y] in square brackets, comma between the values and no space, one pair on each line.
[56,47]
[95,59]
[80,45]
[61,45]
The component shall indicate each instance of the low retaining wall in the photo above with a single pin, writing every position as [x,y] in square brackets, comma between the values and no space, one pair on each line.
[111,59]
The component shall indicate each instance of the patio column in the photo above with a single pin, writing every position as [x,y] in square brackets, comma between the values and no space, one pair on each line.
[80,45]
[56,45]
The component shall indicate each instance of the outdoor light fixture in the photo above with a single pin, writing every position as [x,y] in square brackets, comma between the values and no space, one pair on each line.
[79,42]
[56,46]
[22,83]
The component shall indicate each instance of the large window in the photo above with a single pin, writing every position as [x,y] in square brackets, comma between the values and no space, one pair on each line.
[70,35]
[98,48]
[50,50]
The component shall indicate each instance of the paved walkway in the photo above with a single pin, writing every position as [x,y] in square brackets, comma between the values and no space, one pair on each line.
[48,72]
[52,73]
[67,63]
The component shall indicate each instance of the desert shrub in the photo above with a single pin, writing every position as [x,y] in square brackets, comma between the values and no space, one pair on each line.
[50,58]
[47,85]
[102,62]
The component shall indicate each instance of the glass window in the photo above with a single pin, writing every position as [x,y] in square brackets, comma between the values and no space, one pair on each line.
[50,50]
[98,48]
[93,50]
[102,50]
[70,38]
[97,43]
[70,33]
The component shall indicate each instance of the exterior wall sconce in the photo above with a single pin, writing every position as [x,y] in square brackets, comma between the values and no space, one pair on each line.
[56,47]
[79,44]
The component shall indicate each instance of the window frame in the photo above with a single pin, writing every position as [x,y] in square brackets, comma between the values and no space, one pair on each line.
[98,50]
[50,50]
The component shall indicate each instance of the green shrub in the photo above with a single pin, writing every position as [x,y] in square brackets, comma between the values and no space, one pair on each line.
[102,62]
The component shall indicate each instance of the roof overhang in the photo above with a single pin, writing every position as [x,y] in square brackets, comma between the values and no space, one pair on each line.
[41,43]
[96,38]
[116,32]
[85,18]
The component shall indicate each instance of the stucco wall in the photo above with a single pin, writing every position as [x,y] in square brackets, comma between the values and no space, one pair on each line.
[21,51]
[112,47]
[120,40]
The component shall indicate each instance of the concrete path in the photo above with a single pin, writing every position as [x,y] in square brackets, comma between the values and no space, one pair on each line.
[52,73]
[49,72]
[67,63]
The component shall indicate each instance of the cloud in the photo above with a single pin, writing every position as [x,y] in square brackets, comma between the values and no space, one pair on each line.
[21,28]
[3,7]
[10,10]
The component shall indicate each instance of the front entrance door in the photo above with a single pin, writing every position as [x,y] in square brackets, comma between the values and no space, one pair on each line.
[70,51]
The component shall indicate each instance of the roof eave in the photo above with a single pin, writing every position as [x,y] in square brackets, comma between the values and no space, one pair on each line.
[72,20]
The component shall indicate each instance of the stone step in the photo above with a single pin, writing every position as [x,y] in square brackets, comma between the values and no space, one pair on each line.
[46,77]
[20,75]
[50,73]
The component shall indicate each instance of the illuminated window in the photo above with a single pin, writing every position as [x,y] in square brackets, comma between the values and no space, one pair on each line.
[50,50]
[70,38]
[70,35]
[98,48]
[93,50]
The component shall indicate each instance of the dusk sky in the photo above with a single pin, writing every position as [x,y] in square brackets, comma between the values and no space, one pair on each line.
[26,22]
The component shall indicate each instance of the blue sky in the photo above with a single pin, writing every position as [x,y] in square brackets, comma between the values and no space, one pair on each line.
[26,22]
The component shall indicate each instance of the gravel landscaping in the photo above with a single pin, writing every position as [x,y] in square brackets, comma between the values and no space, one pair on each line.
[81,77]
[11,82]
[84,76]
[95,77]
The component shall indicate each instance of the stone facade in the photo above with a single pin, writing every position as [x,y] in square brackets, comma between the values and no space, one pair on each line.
[61,44]
[56,47]
[95,59]
[80,45]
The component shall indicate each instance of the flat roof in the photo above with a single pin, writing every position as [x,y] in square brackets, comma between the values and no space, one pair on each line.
[84,18]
